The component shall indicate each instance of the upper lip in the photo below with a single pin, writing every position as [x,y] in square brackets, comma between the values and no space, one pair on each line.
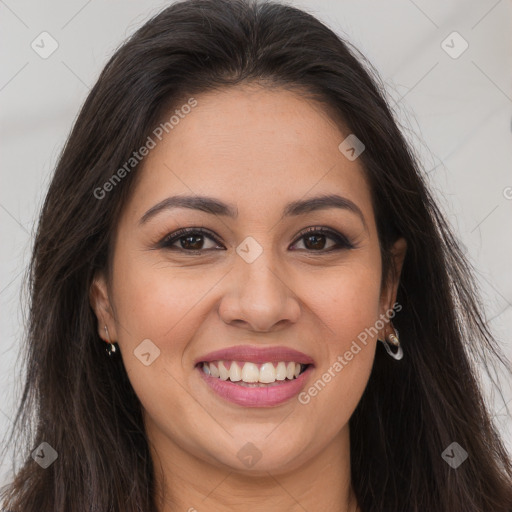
[256,354]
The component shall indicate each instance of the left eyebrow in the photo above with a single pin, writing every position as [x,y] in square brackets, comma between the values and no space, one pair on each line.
[217,207]
[202,203]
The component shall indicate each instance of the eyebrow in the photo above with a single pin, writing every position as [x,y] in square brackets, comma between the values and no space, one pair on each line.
[216,207]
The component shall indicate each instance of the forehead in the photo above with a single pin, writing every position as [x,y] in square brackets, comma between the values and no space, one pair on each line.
[251,146]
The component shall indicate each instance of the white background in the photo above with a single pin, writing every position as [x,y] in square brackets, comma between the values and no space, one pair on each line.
[457,112]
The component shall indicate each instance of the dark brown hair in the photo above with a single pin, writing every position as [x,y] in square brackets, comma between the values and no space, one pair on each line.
[82,403]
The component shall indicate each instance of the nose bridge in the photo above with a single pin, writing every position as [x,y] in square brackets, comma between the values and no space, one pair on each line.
[257,269]
[259,296]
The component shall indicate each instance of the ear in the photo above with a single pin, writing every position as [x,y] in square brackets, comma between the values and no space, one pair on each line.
[390,288]
[100,303]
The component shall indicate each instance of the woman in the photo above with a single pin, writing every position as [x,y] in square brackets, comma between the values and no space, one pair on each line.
[289,323]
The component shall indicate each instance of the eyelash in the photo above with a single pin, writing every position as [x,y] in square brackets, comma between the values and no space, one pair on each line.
[341,241]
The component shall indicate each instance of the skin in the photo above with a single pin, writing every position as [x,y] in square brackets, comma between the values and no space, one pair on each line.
[256,149]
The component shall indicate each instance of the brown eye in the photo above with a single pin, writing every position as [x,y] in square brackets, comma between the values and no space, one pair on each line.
[193,242]
[189,240]
[316,239]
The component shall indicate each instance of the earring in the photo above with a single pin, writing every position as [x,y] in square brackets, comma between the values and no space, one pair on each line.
[112,346]
[394,340]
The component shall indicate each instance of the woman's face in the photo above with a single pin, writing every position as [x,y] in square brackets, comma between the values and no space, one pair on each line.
[252,283]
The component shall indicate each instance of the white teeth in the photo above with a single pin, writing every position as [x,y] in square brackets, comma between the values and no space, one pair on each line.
[281,371]
[224,374]
[251,373]
[267,373]
[214,371]
[235,374]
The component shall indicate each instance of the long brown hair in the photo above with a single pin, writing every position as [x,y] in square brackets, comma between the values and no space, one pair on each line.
[82,404]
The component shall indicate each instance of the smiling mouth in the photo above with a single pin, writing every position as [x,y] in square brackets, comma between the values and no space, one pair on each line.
[249,374]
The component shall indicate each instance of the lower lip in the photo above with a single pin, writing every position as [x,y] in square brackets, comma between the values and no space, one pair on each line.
[257,396]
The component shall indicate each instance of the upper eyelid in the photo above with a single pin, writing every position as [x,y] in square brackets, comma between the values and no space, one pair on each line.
[179,233]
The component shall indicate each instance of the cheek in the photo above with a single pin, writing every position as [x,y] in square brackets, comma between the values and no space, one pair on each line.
[153,299]
[156,302]
[347,304]
[346,300]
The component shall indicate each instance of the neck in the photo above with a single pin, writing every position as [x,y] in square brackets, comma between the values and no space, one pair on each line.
[184,482]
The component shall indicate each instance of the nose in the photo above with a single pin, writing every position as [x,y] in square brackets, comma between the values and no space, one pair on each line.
[259,297]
